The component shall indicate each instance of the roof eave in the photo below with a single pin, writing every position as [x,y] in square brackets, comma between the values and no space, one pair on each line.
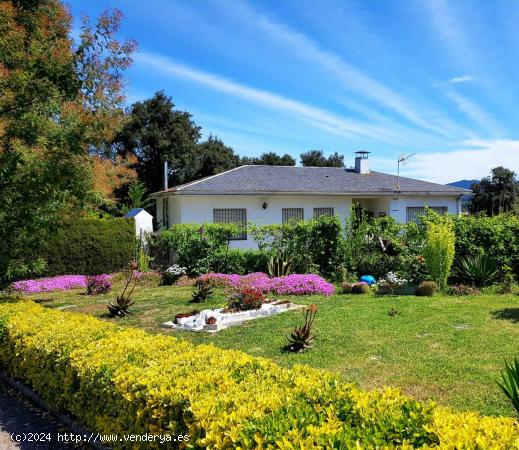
[354,193]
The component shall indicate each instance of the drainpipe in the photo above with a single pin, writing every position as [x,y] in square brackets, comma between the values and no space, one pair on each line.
[166,176]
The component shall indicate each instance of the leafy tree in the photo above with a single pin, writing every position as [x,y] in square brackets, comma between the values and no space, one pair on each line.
[137,197]
[213,156]
[155,132]
[57,100]
[495,194]
[270,159]
[316,158]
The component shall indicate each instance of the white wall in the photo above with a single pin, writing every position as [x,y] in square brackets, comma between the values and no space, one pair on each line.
[199,208]
[399,205]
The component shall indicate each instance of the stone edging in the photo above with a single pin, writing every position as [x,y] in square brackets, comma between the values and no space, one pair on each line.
[64,419]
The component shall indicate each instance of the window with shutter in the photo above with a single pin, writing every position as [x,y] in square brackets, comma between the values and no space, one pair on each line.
[414,212]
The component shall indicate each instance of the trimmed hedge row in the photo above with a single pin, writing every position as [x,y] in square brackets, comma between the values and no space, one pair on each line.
[90,247]
[117,380]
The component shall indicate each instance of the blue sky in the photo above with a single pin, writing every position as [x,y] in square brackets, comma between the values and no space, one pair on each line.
[432,77]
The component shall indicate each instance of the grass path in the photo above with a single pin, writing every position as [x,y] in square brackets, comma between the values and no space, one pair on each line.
[450,349]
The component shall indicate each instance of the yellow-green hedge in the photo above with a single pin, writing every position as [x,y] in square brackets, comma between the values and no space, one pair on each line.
[125,381]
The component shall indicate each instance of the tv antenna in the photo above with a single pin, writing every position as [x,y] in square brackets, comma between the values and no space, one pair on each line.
[403,159]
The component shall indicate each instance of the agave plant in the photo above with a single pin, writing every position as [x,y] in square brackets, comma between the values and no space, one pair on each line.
[480,270]
[123,302]
[301,338]
[510,383]
[202,291]
[279,264]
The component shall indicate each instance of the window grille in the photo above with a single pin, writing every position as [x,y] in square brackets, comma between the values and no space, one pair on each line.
[237,216]
[413,212]
[318,212]
[290,214]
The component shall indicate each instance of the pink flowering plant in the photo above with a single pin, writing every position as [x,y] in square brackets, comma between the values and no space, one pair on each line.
[59,283]
[98,284]
[295,284]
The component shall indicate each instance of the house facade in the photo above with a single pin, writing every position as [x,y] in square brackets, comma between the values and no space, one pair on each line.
[276,194]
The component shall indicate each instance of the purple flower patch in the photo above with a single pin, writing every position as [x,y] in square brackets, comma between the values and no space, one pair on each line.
[295,284]
[59,283]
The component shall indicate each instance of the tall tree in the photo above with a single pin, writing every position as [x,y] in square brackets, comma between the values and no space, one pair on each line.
[56,101]
[213,157]
[155,132]
[316,158]
[270,159]
[495,194]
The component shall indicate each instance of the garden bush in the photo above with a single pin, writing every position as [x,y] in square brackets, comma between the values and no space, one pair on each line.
[90,247]
[198,248]
[439,250]
[462,289]
[360,288]
[242,262]
[427,289]
[98,284]
[117,380]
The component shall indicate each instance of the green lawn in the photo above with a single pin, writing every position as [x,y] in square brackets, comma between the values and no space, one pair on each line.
[450,349]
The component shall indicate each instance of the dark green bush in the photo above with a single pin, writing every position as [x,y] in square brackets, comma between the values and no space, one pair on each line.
[427,289]
[242,262]
[90,247]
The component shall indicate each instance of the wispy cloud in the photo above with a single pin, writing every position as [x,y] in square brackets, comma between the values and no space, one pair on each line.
[473,160]
[461,79]
[476,114]
[350,77]
[314,115]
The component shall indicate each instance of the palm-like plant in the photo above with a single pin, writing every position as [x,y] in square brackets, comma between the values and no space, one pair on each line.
[480,270]
[279,264]
[123,302]
[301,338]
[510,383]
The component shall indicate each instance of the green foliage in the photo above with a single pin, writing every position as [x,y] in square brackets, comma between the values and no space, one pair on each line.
[198,248]
[57,102]
[241,262]
[310,243]
[497,236]
[347,287]
[480,270]
[137,197]
[510,383]
[202,290]
[90,247]
[316,158]
[279,264]
[439,250]
[496,194]
[269,159]
[301,338]
[427,289]
[212,157]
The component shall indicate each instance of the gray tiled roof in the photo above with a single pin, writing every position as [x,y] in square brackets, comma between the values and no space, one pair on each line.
[315,180]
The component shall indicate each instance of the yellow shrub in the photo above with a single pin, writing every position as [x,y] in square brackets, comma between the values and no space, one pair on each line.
[125,381]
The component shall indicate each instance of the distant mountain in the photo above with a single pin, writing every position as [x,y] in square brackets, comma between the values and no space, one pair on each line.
[464,184]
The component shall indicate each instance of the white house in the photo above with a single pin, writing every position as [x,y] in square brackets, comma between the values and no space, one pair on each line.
[276,194]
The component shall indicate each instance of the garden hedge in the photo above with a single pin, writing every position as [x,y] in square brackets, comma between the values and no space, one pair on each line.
[117,380]
[91,247]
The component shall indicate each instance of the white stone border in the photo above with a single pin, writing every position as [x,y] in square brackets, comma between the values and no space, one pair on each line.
[224,320]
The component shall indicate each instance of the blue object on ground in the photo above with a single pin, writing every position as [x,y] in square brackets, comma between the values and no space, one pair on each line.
[370,279]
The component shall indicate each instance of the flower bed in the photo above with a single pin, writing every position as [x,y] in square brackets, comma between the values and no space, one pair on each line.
[118,380]
[289,285]
[59,283]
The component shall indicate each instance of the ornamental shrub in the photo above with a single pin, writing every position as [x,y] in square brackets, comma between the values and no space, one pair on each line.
[439,250]
[245,298]
[426,289]
[462,290]
[90,247]
[360,288]
[119,380]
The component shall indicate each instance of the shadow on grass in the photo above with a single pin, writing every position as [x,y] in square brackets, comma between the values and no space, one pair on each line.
[510,314]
